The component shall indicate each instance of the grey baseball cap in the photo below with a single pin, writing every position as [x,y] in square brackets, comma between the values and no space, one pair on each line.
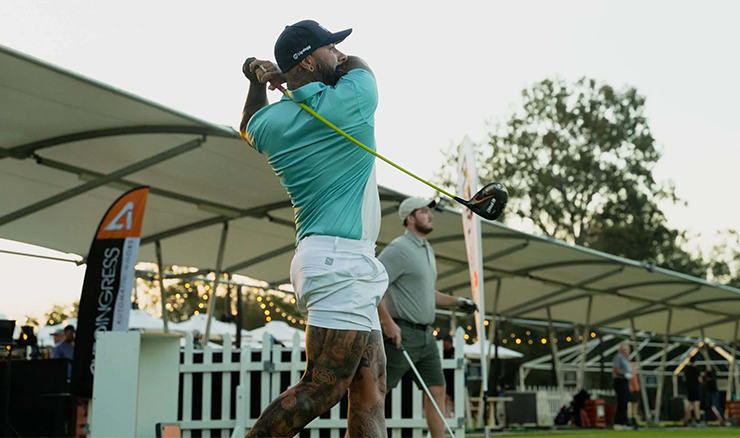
[410,204]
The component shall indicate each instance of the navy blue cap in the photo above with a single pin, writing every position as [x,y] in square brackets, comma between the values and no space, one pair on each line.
[300,40]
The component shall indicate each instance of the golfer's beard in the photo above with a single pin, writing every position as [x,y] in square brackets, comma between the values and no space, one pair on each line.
[424,229]
[326,74]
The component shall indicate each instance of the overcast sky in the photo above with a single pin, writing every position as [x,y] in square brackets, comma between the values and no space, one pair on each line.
[443,72]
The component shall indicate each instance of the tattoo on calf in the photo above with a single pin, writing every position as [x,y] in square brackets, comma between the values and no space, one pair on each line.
[333,359]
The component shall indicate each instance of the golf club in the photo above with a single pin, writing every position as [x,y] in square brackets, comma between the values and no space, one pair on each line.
[426,390]
[488,203]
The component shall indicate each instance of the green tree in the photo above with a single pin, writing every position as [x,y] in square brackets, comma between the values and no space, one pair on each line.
[59,313]
[724,259]
[578,161]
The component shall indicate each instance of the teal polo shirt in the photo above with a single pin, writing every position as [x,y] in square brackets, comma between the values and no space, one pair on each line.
[330,180]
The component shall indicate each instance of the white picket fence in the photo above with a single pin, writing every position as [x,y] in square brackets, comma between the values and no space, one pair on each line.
[219,388]
[551,399]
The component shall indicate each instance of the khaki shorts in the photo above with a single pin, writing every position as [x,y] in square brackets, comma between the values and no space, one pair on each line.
[338,283]
[422,348]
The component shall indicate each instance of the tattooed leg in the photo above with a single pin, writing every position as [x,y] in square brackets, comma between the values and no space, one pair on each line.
[332,357]
[366,416]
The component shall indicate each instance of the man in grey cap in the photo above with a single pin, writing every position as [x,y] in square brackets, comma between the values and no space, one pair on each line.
[407,309]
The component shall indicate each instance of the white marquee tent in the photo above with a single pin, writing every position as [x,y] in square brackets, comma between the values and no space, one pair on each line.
[69,146]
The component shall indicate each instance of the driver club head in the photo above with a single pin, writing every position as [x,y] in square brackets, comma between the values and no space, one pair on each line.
[489,202]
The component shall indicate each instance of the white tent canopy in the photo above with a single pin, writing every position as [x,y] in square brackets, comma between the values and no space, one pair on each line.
[69,146]
[137,320]
[472,351]
[198,323]
[281,331]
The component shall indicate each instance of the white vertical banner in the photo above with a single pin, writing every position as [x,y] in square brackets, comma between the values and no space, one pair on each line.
[467,185]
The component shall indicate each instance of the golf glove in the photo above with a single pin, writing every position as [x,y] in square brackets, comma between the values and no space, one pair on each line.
[466,305]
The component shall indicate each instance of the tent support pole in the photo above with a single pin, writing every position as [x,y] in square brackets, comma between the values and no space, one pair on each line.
[493,339]
[643,390]
[732,374]
[704,351]
[239,304]
[554,349]
[219,266]
[661,371]
[585,335]
[160,279]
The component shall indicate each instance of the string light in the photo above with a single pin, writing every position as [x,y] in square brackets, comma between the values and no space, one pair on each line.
[528,333]
[262,306]
[201,305]
[505,341]
[196,313]
[277,309]
[268,319]
[518,341]
[292,301]
[259,298]
[593,334]
[486,322]
[529,342]
[434,333]
[513,336]
[568,339]
[470,328]
[205,296]
[467,336]
[544,341]
[580,338]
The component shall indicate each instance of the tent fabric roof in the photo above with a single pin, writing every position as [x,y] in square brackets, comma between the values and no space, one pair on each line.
[69,146]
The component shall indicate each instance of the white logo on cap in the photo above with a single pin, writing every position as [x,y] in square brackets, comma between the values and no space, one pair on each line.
[297,54]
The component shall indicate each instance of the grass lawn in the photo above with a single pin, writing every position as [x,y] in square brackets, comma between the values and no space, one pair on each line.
[708,432]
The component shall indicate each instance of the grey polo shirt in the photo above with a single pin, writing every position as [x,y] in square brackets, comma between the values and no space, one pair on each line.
[412,277]
[621,363]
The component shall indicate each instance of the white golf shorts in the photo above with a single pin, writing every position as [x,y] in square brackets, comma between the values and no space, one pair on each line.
[338,282]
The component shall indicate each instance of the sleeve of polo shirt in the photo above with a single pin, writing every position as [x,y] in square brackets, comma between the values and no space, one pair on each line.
[359,85]
[393,259]
[254,129]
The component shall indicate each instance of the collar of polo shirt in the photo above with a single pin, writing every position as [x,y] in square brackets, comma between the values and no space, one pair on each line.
[306,91]
[416,239]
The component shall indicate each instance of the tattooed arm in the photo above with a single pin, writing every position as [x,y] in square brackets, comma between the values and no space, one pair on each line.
[259,74]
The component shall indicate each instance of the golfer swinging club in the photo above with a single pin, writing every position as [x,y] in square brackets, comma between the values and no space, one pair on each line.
[338,281]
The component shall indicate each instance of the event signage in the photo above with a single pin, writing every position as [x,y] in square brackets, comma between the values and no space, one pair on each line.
[106,291]
[467,185]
